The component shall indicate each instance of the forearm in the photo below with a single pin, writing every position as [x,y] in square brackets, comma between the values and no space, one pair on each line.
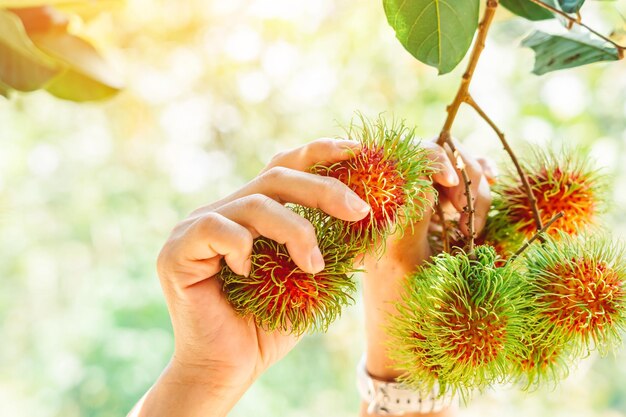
[382,288]
[188,393]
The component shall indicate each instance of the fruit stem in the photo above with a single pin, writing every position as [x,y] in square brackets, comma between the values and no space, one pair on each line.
[467,182]
[444,227]
[523,177]
[577,21]
[536,236]
[453,109]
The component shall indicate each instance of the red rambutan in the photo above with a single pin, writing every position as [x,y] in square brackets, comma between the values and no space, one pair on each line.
[390,173]
[280,296]
[579,288]
[560,183]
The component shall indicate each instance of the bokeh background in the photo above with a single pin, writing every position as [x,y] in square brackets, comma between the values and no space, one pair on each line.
[89,192]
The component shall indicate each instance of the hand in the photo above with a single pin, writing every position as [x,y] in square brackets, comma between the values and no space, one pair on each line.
[218,353]
[383,281]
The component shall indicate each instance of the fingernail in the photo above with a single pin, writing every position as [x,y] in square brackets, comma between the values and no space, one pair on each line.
[355,203]
[247,267]
[452,177]
[317,261]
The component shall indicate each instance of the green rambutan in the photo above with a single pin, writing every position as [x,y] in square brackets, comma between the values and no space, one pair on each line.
[458,323]
[578,286]
[280,296]
[560,183]
[545,357]
[390,173]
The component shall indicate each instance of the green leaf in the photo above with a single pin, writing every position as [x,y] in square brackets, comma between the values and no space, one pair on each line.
[528,9]
[23,67]
[436,32]
[554,52]
[87,77]
[571,6]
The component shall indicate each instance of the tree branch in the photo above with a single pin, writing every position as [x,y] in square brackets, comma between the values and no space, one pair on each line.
[467,182]
[577,21]
[536,236]
[453,109]
[523,177]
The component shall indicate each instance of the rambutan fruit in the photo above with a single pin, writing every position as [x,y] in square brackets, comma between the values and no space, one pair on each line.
[562,182]
[390,173]
[458,323]
[578,285]
[278,295]
[545,357]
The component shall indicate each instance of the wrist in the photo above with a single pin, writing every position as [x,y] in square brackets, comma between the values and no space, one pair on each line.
[191,391]
[218,377]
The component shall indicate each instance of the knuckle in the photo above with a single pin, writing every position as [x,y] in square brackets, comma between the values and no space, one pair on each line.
[275,173]
[276,159]
[257,201]
[210,221]
[322,144]
[333,185]
[318,148]
[246,240]
[305,231]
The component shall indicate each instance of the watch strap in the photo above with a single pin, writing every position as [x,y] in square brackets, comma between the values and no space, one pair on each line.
[395,399]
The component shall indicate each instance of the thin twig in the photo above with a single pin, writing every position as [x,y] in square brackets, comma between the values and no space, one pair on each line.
[536,235]
[453,109]
[479,45]
[444,227]
[523,177]
[467,182]
[579,22]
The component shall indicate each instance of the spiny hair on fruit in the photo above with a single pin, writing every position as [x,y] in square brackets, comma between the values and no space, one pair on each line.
[278,295]
[459,324]
[561,181]
[579,287]
[391,172]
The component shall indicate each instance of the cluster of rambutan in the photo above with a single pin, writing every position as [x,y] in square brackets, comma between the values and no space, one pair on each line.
[466,320]
[390,173]
[470,320]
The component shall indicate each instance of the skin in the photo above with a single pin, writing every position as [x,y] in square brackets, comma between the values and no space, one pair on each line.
[217,353]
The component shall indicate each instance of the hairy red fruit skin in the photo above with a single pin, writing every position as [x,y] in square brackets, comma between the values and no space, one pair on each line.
[579,289]
[477,334]
[555,192]
[278,295]
[375,179]
[391,172]
[296,289]
[561,182]
[583,296]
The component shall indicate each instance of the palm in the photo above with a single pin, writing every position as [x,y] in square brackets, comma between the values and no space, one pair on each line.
[221,333]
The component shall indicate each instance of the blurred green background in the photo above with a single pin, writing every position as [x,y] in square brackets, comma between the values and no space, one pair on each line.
[89,192]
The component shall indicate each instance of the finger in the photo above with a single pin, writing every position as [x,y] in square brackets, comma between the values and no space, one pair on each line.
[489,169]
[204,238]
[321,151]
[264,216]
[287,185]
[445,174]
